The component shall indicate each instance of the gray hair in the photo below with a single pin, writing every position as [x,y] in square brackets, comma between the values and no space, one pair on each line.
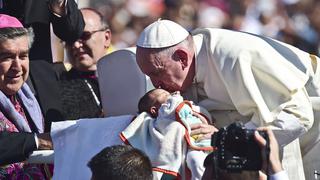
[12,33]
[168,51]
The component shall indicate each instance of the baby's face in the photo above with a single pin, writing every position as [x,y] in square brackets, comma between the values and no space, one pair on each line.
[158,97]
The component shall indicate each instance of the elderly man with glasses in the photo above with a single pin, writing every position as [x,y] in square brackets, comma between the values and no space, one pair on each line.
[79,86]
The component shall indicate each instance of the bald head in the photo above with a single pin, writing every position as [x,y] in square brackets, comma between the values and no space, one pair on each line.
[92,13]
[93,44]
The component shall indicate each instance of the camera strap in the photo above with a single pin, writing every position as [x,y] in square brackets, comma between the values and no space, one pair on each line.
[215,164]
[268,156]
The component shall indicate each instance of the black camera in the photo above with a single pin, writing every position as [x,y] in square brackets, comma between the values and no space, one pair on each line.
[237,149]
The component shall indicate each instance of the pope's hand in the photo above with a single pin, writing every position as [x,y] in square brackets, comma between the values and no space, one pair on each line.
[202,130]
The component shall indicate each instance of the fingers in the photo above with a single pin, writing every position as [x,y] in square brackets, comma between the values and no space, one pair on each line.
[202,137]
[200,128]
[272,139]
[262,176]
[273,159]
[260,140]
[202,131]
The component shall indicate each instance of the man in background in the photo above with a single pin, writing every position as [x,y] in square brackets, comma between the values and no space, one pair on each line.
[79,86]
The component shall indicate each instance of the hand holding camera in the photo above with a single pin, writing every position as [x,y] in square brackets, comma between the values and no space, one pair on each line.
[237,149]
[274,160]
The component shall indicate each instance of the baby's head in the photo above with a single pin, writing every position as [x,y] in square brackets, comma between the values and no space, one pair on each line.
[152,100]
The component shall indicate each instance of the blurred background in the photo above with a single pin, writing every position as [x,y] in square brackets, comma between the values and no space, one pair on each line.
[293,21]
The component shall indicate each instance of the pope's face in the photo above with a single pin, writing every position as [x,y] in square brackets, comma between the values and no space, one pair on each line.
[163,71]
[14,64]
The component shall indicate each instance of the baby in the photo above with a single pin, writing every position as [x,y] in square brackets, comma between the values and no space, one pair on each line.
[160,104]
[152,101]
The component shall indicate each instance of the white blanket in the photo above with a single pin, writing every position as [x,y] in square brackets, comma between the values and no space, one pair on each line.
[166,139]
[76,142]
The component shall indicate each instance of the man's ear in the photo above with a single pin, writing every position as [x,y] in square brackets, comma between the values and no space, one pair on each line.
[182,56]
[107,36]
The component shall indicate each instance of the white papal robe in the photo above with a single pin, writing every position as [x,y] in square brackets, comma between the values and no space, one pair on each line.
[260,81]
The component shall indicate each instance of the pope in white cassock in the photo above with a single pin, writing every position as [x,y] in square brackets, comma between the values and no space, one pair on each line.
[239,76]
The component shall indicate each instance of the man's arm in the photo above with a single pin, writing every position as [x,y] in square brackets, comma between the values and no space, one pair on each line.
[16,146]
[67,20]
[271,92]
[295,118]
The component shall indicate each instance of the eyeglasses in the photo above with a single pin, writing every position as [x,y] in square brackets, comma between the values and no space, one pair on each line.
[86,35]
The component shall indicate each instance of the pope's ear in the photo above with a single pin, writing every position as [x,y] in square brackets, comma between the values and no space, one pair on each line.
[182,56]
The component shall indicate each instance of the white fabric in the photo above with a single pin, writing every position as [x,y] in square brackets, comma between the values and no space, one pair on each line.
[250,78]
[41,156]
[310,142]
[289,122]
[311,161]
[121,82]
[195,161]
[162,33]
[282,175]
[76,142]
[163,140]
[185,117]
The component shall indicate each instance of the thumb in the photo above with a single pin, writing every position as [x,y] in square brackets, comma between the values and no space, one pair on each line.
[259,139]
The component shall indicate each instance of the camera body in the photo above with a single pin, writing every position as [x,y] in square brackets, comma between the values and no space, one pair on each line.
[237,148]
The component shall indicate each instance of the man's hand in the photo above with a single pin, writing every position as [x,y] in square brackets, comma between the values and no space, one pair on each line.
[45,141]
[274,159]
[58,7]
[202,130]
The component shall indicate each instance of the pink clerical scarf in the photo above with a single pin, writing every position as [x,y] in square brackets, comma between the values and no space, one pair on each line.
[18,107]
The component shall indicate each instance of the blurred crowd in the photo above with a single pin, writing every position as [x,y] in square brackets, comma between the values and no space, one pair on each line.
[291,21]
